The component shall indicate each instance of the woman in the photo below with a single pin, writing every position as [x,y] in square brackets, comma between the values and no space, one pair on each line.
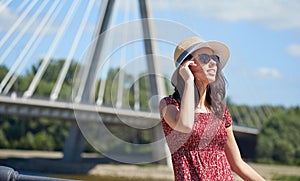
[196,122]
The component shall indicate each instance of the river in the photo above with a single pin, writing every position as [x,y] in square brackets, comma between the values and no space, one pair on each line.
[102,178]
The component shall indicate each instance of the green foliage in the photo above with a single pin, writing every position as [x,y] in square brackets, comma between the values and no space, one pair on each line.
[109,98]
[3,140]
[144,92]
[252,116]
[279,138]
[131,135]
[3,71]
[48,80]
[37,134]
[286,177]
[128,100]
[44,134]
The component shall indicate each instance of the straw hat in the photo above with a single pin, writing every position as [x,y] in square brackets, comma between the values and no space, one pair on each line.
[188,46]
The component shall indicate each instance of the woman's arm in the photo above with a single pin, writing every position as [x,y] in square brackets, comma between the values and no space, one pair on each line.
[183,120]
[235,160]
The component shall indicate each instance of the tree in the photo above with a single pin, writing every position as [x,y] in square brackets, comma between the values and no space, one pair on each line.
[280,137]
[29,133]
[3,71]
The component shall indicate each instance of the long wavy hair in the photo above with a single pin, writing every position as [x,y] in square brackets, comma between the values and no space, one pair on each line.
[215,92]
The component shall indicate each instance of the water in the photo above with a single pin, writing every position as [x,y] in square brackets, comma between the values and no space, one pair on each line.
[101,178]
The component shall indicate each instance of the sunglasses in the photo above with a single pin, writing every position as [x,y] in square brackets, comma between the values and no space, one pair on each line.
[205,58]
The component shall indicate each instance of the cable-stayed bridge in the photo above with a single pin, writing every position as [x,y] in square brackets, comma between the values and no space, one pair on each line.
[96,38]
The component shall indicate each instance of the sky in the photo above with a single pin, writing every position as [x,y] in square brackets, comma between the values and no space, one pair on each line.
[264,40]
[263,37]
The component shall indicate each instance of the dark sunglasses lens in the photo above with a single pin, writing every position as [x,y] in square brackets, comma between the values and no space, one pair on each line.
[215,58]
[204,58]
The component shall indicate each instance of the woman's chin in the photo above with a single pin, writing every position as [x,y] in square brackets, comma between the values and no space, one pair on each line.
[211,79]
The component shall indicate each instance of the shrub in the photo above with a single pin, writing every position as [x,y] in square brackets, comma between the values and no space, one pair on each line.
[280,137]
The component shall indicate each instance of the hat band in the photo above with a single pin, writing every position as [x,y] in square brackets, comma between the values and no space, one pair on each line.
[184,54]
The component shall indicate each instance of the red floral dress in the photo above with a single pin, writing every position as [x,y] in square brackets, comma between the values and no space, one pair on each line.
[199,155]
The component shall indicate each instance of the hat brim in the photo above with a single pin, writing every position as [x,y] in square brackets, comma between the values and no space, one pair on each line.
[219,48]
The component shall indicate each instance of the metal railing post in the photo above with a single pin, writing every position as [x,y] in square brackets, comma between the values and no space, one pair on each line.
[9,174]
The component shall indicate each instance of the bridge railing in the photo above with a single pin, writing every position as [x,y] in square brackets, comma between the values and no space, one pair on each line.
[9,174]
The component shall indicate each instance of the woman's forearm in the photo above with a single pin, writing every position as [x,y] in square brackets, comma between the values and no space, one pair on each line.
[247,173]
[185,118]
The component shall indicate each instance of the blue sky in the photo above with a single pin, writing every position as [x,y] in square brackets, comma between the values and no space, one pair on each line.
[264,39]
[263,36]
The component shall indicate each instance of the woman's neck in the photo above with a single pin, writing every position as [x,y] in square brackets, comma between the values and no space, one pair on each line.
[202,106]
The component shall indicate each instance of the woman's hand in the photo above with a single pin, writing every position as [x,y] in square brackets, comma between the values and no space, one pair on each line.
[185,70]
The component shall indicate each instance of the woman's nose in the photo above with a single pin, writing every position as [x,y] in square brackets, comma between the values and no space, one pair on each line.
[212,62]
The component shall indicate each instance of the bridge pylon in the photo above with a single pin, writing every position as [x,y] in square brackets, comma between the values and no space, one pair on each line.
[75,142]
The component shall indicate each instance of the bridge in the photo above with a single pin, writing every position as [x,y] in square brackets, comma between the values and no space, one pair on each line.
[98,37]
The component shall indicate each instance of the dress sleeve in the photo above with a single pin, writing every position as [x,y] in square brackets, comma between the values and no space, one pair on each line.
[227,118]
[165,102]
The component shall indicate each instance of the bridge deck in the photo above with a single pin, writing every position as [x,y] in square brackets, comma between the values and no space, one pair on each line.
[86,112]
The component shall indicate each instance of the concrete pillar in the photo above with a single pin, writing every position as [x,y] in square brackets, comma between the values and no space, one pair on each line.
[157,87]
[75,142]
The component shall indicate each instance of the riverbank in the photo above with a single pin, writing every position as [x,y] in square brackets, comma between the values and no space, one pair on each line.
[92,164]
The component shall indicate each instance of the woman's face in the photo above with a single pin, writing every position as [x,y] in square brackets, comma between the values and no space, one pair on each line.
[204,72]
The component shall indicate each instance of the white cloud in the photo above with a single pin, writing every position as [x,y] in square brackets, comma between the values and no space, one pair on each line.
[294,50]
[278,14]
[7,17]
[268,73]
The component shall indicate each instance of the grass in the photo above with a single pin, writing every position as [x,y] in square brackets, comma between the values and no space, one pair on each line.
[286,177]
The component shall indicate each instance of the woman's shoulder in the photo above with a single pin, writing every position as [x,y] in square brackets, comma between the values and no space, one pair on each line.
[227,117]
[226,111]
[168,100]
[165,101]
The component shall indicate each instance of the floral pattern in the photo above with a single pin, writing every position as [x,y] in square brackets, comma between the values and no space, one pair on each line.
[199,155]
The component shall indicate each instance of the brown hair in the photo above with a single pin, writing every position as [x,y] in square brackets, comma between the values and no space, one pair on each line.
[214,96]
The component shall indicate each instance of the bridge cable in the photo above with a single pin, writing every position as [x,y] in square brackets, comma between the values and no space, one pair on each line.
[33,48]
[20,58]
[136,88]
[106,65]
[75,43]
[5,5]
[236,114]
[13,29]
[252,114]
[17,23]
[16,40]
[123,59]
[90,70]
[262,117]
[20,8]
[43,66]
